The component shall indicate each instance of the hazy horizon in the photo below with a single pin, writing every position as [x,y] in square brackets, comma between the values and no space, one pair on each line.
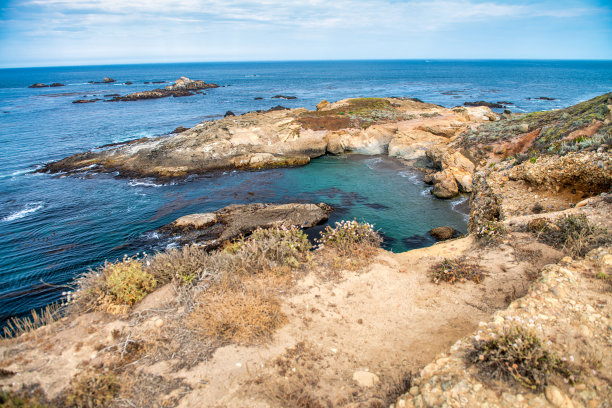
[310,60]
[45,33]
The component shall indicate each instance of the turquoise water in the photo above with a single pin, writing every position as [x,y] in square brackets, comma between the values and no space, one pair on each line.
[52,229]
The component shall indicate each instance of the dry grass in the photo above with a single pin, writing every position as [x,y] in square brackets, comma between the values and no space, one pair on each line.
[17,326]
[456,270]
[242,316]
[296,378]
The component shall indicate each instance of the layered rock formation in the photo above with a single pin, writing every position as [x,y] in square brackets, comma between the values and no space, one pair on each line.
[212,229]
[401,128]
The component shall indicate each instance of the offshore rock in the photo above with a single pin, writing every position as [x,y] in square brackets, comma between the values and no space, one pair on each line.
[181,87]
[38,85]
[212,229]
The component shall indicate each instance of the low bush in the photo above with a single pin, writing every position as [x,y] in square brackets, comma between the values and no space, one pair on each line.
[572,233]
[183,266]
[270,248]
[347,237]
[127,281]
[517,354]
[490,232]
[22,399]
[112,288]
[91,389]
[456,270]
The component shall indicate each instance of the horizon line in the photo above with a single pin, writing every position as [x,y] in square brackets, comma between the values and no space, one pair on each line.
[310,60]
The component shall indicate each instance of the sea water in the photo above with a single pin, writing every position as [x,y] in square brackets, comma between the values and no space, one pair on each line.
[52,229]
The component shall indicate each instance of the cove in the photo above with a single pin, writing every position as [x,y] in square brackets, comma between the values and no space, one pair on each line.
[76,223]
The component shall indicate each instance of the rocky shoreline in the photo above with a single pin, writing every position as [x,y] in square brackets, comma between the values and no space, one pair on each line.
[353,326]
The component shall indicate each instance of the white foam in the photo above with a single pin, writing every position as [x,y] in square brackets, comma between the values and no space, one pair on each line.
[371,163]
[144,183]
[29,209]
[412,177]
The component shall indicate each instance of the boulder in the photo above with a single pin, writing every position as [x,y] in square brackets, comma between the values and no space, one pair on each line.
[322,105]
[212,229]
[443,233]
[107,80]
[229,113]
[445,185]
[365,379]
[462,178]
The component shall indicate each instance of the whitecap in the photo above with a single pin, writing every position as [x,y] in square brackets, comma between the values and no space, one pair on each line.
[412,177]
[29,209]
[371,163]
[144,183]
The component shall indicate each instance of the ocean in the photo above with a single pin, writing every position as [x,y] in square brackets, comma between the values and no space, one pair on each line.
[52,229]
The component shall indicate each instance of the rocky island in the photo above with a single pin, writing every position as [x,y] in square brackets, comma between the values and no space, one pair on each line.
[517,313]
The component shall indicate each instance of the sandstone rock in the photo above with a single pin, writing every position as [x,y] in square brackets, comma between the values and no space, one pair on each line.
[442,233]
[557,398]
[444,185]
[365,378]
[463,179]
[212,229]
[322,105]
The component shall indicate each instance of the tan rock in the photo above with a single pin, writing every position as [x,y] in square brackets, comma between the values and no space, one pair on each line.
[323,104]
[365,378]
[445,185]
[557,398]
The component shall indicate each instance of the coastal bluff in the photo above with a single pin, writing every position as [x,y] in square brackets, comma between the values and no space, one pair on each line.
[400,127]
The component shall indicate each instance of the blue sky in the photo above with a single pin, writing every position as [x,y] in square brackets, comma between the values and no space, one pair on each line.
[83,32]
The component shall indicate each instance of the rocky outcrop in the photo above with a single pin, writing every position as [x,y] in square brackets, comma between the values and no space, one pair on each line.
[181,87]
[485,205]
[456,172]
[288,137]
[38,85]
[443,233]
[590,172]
[212,229]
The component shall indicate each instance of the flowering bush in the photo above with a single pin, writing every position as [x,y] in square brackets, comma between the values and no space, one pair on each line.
[127,281]
[347,236]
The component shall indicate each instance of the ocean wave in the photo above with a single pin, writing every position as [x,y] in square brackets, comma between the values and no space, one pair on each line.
[411,176]
[29,209]
[372,163]
[144,183]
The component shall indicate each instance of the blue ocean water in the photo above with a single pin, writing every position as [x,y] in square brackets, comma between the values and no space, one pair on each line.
[55,228]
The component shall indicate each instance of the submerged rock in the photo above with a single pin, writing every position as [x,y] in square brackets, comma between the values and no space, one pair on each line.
[284,97]
[212,229]
[38,85]
[86,100]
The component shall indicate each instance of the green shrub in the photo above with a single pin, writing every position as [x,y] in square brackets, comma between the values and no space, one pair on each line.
[456,270]
[347,236]
[127,281]
[10,399]
[517,354]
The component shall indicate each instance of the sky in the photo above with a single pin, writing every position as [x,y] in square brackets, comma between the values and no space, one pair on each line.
[90,32]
